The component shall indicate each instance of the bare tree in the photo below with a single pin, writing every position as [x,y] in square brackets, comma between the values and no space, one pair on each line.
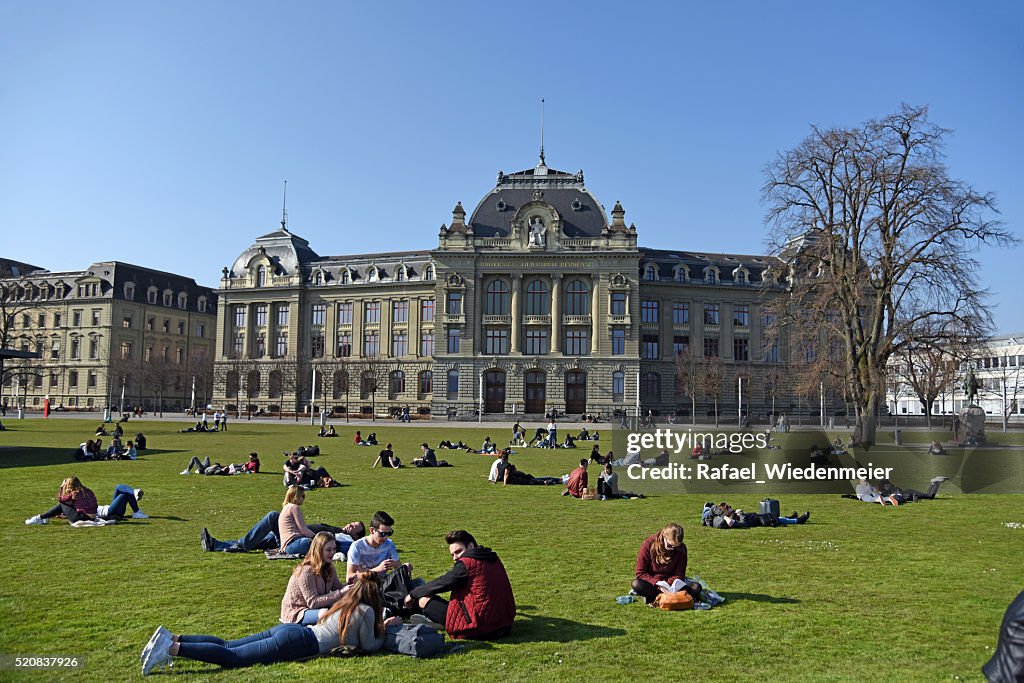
[927,369]
[200,368]
[878,238]
[713,381]
[160,376]
[773,379]
[16,305]
[688,372]
[1003,382]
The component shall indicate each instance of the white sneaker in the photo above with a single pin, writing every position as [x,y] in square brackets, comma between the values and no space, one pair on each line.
[36,519]
[152,642]
[140,515]
[158,655]
[102,510]
[184,472]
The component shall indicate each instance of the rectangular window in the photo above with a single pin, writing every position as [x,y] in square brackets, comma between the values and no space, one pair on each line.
[201,330]
[649,347]
[94,349]
[127,322]
[181,327]
[37,381]
[453,385]
[91,379]
[648,311]
[316,344]
[679,344]
[261,315]
[282,344]
[618,342]
[372,310]
[318,315]
[150,324]
[810,353]
[345,313]
[73,379]
[577,342]
[53,379]
[95,317]
[26,320]
[344,344]
[179,355]
[54,350]
[283,315]
[260,349]
[680,313]
[56,319]
[167,325]
[239,345]
[147,354]
[400,311]
[126,350]
[454,303]
[371,344]
[711,312]
[42,320]
[76,318]
[454,339]
[711,347]
[496,342]
[618,386]
[400,344]
[741,348]
[427,344]
[741,315]
[426,382]
[536,342]
[239,316]
[427,310]
[618,303]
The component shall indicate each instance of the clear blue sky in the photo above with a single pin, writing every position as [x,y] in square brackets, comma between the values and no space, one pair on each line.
[159,133]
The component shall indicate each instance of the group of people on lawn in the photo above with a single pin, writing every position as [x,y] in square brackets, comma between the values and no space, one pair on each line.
[92,449]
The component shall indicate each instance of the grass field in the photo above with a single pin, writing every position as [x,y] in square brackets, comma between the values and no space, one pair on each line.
[860,592]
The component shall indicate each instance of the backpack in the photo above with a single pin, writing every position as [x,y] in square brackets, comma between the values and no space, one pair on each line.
[414,640]
[673,602]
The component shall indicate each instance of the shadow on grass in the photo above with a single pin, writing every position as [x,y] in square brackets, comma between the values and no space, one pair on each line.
[36,456]
[535,628]
[758,597]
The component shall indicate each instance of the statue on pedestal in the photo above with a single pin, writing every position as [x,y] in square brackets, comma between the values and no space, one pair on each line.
[537,231]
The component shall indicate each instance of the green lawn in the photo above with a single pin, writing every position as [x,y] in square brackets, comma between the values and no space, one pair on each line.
[860,592]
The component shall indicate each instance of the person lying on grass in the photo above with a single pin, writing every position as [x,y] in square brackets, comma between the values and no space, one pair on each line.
[724,516]
[887,493]
[77,504]
[504,472]
[265,535]
[355,620]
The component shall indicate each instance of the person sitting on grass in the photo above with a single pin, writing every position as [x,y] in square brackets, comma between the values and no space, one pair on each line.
[328,431]
[488,447]
[577,483]
[429,458]
[355,620]
[387,458]
[101,431]
[140,441]
[662,557]
[570,442]
[296,537]
[375,552]
[314,585]
[253,465]
[77,503]
[358,440]
[482,605]
[936,449]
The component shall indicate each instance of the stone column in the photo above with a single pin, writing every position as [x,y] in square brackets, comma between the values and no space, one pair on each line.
[595,310]
[476,323]
[517,281]
[556,313]
[250,330]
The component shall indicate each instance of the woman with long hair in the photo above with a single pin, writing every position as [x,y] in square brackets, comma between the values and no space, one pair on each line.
[662,557]
[314,585]
[78,504]
[296,537]
[354,620]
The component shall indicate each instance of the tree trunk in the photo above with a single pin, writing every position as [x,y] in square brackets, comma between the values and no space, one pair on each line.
[867,421]
[928,413]
[693,410]
[716,412]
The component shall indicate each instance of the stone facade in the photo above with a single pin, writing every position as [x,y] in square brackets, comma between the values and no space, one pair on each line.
[536,302]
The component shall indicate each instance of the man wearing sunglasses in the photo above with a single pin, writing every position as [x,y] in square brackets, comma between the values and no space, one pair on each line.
[376,552]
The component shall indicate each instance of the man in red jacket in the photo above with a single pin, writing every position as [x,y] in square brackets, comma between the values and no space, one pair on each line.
[482,605]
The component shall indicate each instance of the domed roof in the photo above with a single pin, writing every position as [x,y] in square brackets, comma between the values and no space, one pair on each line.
[286,250]
[581,214]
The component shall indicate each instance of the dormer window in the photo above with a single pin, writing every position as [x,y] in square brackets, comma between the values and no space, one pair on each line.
[151,295]
[400,274]
[261,276]
[680,274]
[711,275]
[318,278]
[202,304]
[345,276]
[371,275]
[129,291]
[168,296]
[741,277]
[182,300]
[428,273]
[651,273]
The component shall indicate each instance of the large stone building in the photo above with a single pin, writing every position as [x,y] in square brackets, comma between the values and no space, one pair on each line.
[109,327]
[537,301]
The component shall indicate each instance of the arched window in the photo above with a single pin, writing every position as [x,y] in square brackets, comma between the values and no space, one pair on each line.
[340,383]
[275,383]
[344,276]
[711,276]
[577,298]
[318,278]
[651,272]
[252,384]
[231,381]
[400,274]
[367,384]
[680,275]
[428,273]
[396,385]
[261,276]
[618,386]
[650,386]
[453,385]
[537,300]
[426,383]
[497,298]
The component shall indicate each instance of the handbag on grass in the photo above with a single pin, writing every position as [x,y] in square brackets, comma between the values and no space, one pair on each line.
[674,601]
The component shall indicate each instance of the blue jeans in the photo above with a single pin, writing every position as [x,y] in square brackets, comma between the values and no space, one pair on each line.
[311,616]
[282,643]
[299,546]
[788,520]
[262,535]
[124,496]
